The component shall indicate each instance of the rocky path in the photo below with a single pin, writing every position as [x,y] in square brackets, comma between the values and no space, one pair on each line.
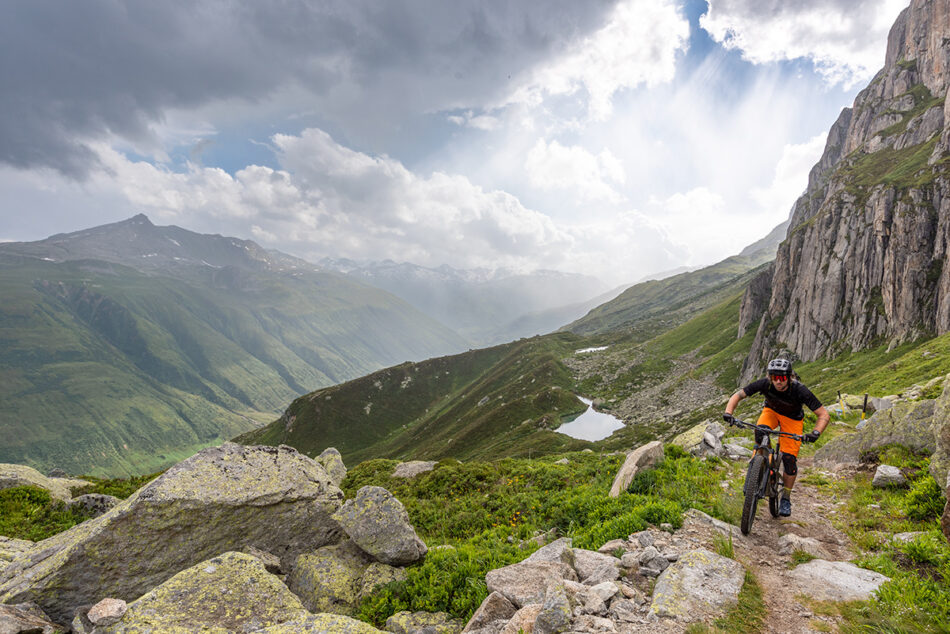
[761,552]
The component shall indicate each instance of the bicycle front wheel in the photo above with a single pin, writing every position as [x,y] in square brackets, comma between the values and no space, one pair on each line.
[753,479]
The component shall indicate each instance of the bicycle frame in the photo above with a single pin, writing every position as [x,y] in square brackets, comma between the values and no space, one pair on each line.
[770,467]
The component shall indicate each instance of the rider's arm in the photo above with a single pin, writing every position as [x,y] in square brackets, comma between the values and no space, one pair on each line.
[734,401]
[823,418]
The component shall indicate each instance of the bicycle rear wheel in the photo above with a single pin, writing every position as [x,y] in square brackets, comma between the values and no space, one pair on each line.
[775,488]
[753,479]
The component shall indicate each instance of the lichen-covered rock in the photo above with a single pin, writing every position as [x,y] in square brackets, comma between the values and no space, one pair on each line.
[17,475]
[639,459]
[25,617]
[837,580]
[330,579]
[593,568]
[524,583]
[229,593]
[790,543]
[223,498]
[322,624]
[908,423]
[94,504]
[556,611]
[378,574]
[523,620]
[428,622]
[332,461]
[940,461]
[494,608]
[557,551]
[11,548]
[379,524]
[413,468]
[699,585]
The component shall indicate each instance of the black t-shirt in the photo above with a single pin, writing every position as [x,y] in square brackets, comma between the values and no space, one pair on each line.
[788,403]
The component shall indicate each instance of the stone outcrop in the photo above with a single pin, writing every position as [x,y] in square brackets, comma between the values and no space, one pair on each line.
[94,504]
[330,579]
[640,458]
[16,475]
[332,461]
[11,548]
[223,498]
[378,523]
[864,257]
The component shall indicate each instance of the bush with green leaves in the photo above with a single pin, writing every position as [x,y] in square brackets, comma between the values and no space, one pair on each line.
[925,500]
[28,512]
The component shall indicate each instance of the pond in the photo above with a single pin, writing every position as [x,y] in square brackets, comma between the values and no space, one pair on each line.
[591,425]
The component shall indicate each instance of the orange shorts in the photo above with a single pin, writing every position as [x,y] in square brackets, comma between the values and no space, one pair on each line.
[771,418]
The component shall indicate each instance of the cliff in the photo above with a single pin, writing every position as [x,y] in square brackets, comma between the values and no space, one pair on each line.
[863,261]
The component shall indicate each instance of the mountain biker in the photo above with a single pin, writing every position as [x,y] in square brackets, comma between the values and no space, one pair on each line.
[784,398]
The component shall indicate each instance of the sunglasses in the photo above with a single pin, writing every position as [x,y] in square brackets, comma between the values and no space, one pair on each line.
[778,377]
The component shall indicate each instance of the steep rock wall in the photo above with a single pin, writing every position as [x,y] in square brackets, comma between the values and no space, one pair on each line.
[864,259]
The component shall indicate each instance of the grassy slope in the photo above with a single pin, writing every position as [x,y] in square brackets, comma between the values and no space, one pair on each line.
[110,371]
[491,402]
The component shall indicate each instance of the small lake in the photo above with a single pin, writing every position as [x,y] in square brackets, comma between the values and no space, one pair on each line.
[591,425]
[585,350]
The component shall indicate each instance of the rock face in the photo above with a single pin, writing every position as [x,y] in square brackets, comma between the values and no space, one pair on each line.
[864,258]
[330,579]
[641,458]
[223,498]
[244,596]
[378,523]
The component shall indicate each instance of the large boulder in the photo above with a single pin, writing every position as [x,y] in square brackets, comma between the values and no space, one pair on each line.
[379,574]
[23,618]
[429,622]
[223,498]
[379,524]
[11,548]
[332,461]
[17,475]
[641,458]
[494,608]
[940,461]
[229,593]
[700,585]
[837,580]
[330,579]
[908,423]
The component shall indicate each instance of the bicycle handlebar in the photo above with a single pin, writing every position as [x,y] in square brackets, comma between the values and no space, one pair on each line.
[766,430]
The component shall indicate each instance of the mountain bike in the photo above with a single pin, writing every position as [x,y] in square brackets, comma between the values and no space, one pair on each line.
[763,478]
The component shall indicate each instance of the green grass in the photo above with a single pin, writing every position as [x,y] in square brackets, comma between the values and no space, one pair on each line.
[488,511]
[29,512]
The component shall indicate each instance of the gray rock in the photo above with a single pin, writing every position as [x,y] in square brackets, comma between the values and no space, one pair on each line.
[94,504]
[57,473]
[271,562]
[643,457]
[11,548]
[888,476]
[25,618]
[17,475]
[624,610]
[332,461]
[701,585]
[908,423]
[837,580]
[379,574]
[790,542]
[556,611]
[695,516]
[523,620]
[644,538]
[525,582]
[330,579]
[907,537]
[272,498]
[107,612]
[737,452]
[244,595]
[594,568]
[321,624]
[495,607]
[940,461]
[413,468]
[613,546]
[557,551]
[378,523]
[422,623]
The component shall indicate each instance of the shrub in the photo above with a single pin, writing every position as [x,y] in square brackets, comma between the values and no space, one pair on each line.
[924,501]
[29,512]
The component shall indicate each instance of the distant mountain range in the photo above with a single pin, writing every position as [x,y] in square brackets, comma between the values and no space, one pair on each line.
[486,307]
[127,346]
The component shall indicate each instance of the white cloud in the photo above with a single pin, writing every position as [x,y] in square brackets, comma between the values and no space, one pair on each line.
[331,200]
[484,122]
[638,45]
[791,178]
[699,223]
[574,169]
[846,39]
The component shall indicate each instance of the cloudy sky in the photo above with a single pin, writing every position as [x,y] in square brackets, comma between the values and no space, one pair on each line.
[614,138]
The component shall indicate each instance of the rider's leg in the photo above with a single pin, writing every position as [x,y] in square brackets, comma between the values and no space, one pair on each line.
[768,418]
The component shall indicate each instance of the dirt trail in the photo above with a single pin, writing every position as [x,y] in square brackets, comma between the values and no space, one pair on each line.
[759,552]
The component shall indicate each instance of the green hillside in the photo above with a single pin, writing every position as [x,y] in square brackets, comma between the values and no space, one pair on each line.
[108,370]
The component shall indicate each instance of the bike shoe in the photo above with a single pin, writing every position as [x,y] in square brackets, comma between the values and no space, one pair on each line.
[785,507]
